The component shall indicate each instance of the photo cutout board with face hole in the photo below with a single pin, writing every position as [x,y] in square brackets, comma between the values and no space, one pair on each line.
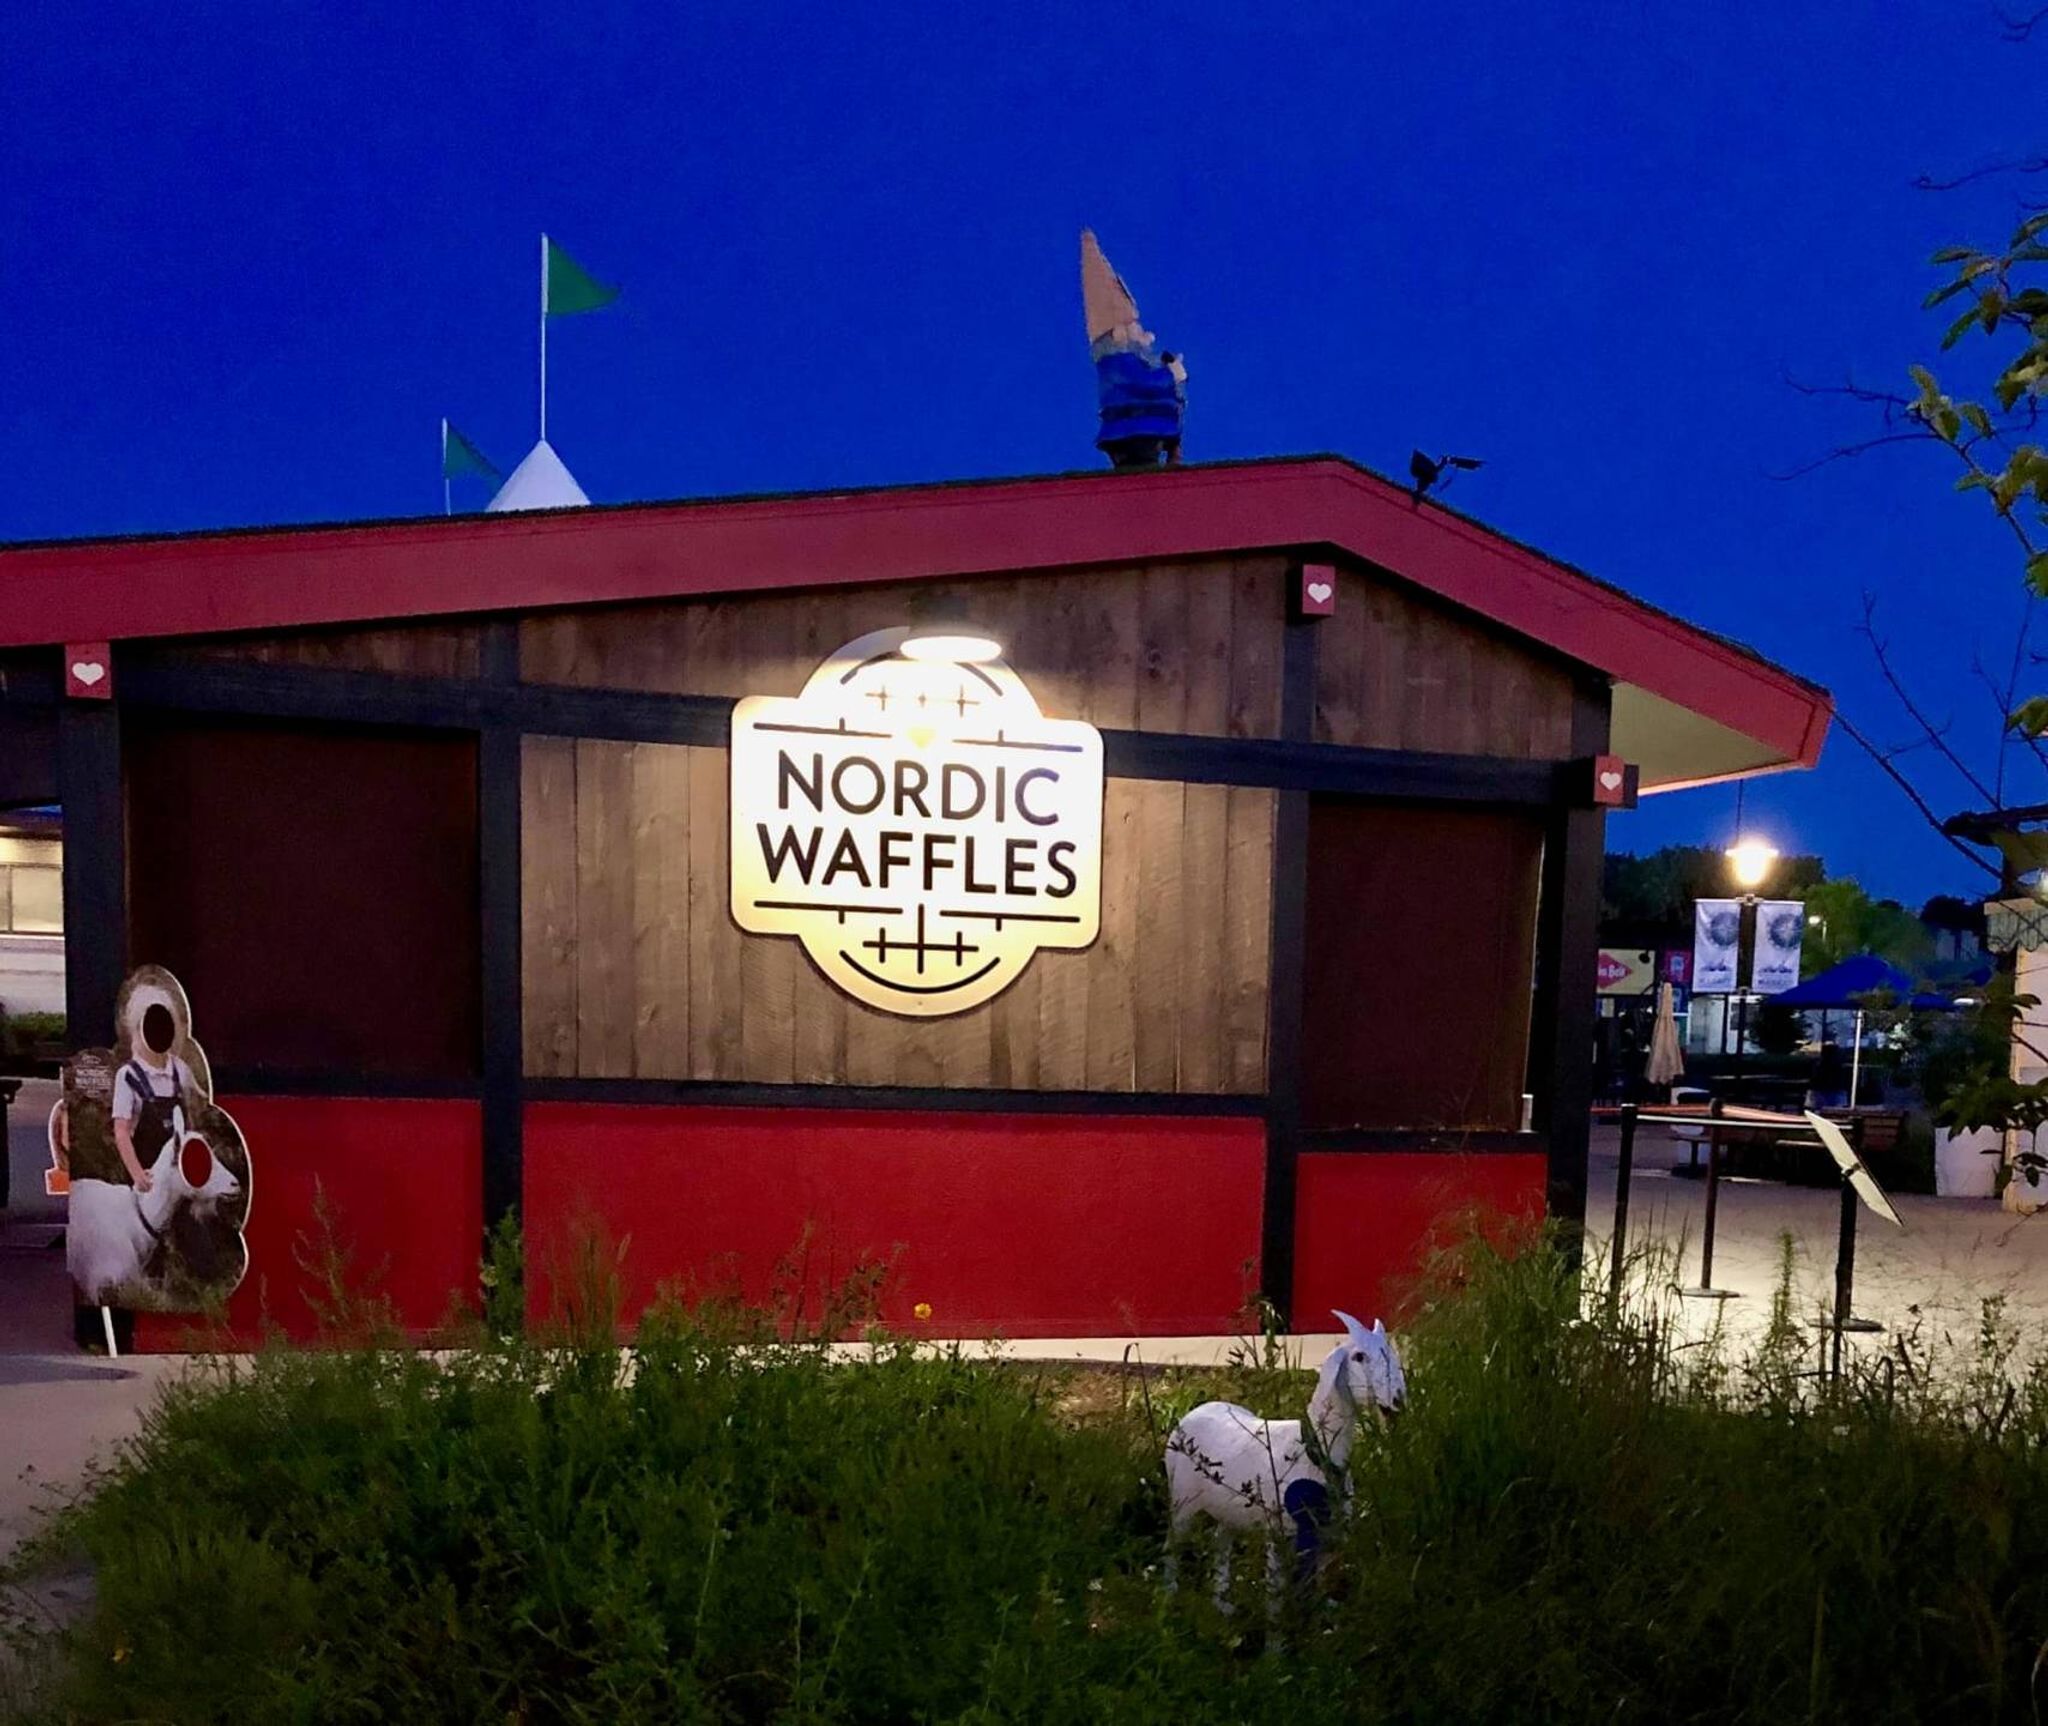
[157,1173]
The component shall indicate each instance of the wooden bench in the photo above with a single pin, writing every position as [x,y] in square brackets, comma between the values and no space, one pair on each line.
[1800,1160]
[1803,1163]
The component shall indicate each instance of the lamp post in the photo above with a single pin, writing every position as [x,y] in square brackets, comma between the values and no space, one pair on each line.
[1749,862]
[1814,920]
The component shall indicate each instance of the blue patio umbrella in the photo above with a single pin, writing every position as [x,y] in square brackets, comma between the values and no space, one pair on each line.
[1854,984]
[1854,981]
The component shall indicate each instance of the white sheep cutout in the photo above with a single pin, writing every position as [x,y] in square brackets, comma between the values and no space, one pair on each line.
[115,1228]
[1227,1467]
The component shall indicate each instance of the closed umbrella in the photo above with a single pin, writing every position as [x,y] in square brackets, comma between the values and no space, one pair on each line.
[1666,1064]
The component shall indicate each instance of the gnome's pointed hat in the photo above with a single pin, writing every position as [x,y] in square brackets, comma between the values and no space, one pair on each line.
[1104,297]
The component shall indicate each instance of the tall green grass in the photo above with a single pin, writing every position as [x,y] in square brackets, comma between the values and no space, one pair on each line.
[1579,1518]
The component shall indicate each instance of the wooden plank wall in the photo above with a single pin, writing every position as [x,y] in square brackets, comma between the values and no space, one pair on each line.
[1396,672]
[1191,647]
[635,969]
[1184,647]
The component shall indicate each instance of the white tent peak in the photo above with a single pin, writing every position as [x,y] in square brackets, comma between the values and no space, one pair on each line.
[540,482]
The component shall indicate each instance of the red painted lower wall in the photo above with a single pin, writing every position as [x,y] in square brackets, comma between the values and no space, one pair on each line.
[1020,1225]
[1364,1221]
[402,1182]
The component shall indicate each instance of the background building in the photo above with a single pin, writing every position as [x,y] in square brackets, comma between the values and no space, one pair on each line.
[433,820]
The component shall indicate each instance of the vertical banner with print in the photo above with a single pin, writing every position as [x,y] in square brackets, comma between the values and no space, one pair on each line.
[1780,926]
[1716,942]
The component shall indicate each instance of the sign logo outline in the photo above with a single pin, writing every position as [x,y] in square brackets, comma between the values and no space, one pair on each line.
[919,826]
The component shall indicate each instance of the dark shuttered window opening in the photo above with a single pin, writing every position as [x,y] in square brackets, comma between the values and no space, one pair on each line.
[1419,963]
[315,889]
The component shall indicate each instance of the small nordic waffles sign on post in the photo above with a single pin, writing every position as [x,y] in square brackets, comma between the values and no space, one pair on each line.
[917,824]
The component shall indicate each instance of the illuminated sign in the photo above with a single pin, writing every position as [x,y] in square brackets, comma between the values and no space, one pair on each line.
[1625,971]
[918,824]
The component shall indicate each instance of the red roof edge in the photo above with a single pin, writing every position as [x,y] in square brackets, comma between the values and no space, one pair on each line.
[212,583]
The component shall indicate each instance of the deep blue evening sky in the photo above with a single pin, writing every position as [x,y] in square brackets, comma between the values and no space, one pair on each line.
[250,260]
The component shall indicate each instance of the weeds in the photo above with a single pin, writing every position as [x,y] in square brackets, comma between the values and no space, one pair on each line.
[1578,1518]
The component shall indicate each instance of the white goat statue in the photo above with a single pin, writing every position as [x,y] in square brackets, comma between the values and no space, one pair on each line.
[1226,1466]
[114,1228]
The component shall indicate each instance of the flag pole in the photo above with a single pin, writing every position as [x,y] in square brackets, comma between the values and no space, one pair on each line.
[543,338]
[447,497]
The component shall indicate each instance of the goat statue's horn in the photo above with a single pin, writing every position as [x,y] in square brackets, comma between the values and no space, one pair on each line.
[1357,1331]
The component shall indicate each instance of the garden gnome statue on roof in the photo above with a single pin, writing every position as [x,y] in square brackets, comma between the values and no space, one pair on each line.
[1141,395]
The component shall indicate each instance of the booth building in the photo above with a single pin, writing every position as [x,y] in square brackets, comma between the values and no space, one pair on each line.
[1234,925]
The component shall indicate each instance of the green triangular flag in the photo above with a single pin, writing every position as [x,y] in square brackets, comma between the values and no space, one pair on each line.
[459,456]
[571,288]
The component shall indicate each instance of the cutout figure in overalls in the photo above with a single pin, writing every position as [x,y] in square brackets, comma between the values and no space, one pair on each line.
[149,1097]
[158,1173]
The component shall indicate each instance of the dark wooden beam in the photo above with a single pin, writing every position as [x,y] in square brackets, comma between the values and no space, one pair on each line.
[261,1081]
[904,1099]
[498,926]
[1291,762]
[1287,979]
[1567,952]
[726,1094]
[1457,1141]
[95,868]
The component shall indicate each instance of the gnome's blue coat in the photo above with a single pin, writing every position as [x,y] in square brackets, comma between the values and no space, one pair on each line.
[1139,397]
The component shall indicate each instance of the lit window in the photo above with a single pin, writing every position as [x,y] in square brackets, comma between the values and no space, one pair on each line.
[37,901]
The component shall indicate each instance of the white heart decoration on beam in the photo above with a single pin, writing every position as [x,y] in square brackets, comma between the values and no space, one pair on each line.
[87,672]
[1611,781]
[1320,592]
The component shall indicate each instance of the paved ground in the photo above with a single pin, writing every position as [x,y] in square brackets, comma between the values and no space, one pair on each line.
[1950,1256]
[28,1152]
[60,1409]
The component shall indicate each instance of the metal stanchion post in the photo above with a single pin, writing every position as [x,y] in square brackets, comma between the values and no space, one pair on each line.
[1713,1202]
[1621,1181]
[1844,1318]
[1706,1290]
[1845,1270]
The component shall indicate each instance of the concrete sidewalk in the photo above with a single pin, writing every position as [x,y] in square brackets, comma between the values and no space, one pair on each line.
[60,1414]
[60,1410]
[1933,1276]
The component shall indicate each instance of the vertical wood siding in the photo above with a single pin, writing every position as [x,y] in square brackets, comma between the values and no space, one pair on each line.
[1184,647]
[1397,672]
[634,967]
